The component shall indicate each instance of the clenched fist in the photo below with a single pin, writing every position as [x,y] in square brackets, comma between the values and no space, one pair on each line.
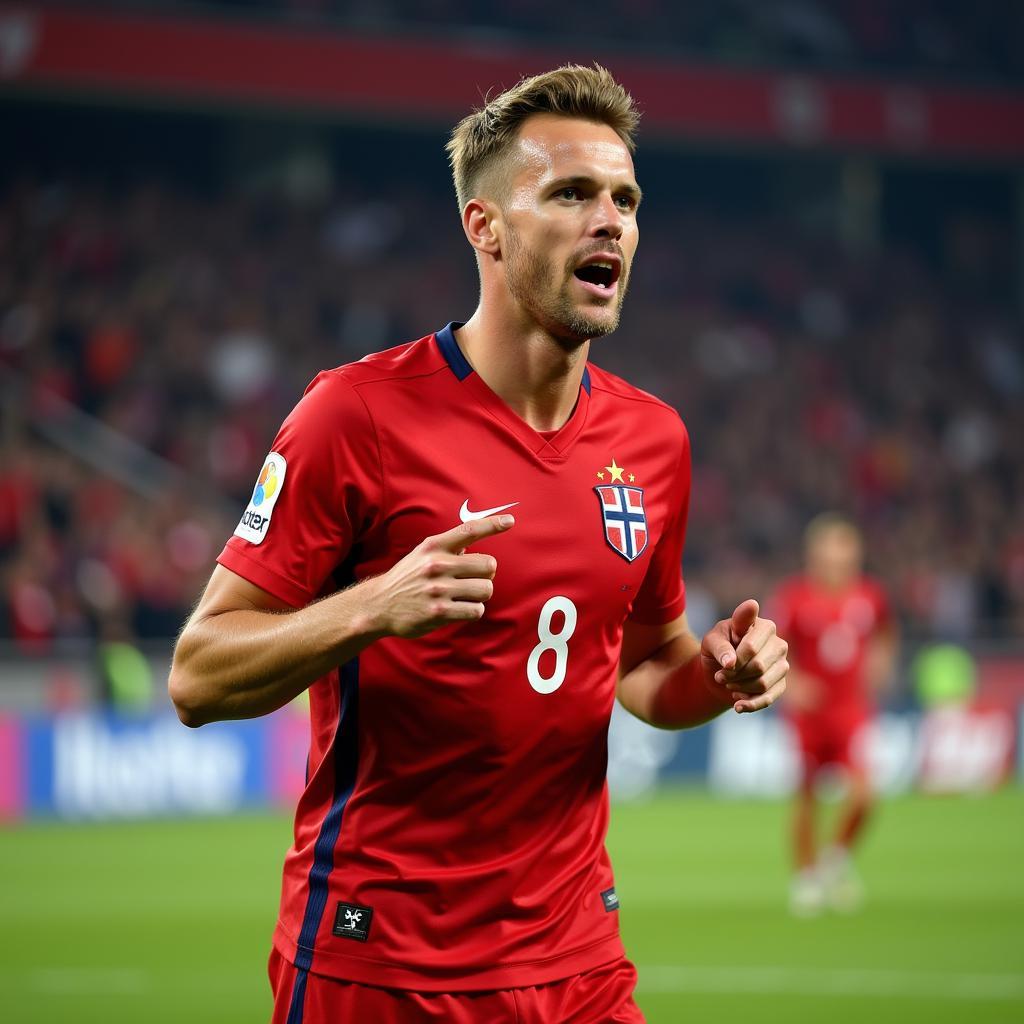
[745,658]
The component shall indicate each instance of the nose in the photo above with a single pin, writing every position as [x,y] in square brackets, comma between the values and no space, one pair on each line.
[607,220]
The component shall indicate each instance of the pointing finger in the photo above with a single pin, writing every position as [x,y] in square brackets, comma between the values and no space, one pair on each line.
[461,537]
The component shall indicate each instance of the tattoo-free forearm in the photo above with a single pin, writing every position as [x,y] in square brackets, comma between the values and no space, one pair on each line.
[241,663]
[669,689]
[240,655]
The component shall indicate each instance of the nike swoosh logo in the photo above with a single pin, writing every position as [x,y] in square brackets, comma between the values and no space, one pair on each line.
[467,517]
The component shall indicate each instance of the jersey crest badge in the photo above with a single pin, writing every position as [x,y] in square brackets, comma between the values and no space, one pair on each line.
[624,519]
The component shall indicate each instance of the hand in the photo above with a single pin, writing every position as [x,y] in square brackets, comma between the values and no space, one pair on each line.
[436,583]
[745,659]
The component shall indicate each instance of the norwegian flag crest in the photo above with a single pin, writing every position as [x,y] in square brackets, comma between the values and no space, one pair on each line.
[624,518]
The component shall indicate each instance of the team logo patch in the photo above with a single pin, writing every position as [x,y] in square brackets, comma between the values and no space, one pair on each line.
[256,518]
[624,518]
[352,921]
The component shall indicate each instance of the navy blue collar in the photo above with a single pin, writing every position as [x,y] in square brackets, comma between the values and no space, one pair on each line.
[460,365]
[451,351]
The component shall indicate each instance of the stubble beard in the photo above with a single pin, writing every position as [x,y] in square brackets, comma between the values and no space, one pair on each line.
[531,276]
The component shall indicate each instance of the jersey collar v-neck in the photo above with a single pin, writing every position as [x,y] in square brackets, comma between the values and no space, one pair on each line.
[546,444]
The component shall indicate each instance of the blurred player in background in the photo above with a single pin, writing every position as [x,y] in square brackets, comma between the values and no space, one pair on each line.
[464,547]
[842,648]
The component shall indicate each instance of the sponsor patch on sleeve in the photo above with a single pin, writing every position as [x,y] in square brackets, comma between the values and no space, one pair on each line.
[255,519]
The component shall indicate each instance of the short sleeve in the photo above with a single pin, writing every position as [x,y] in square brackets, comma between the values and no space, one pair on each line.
[662,595]
[319,490]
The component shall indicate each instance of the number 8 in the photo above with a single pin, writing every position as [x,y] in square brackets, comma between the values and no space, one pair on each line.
[557,642]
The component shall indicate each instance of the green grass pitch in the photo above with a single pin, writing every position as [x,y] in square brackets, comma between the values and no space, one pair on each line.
[169,921]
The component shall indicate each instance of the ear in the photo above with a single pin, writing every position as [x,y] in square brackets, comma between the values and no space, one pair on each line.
[482,222]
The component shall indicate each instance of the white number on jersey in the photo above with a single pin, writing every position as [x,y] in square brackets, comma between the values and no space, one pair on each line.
[556,642]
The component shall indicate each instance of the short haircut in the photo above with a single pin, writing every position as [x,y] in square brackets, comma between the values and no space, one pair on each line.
[826,522]
[481,139]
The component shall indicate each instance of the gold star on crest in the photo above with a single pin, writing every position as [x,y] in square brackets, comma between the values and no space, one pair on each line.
[600,475]
[616,472]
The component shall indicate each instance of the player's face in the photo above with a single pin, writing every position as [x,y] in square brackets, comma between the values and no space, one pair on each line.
[570,229]
[835,555]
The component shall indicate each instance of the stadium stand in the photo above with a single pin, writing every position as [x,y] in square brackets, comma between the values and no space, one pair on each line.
[152,336]
[983,41]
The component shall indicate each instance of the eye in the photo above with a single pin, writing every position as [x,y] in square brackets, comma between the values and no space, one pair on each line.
[570,192]
[625,202]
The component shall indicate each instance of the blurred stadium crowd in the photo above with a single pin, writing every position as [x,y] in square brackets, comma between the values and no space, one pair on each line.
[983,40]
[874,379]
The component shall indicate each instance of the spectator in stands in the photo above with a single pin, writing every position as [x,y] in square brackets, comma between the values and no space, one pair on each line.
[895,388]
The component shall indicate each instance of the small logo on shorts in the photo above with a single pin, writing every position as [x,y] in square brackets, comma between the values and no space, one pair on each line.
[353,921]
[610,900]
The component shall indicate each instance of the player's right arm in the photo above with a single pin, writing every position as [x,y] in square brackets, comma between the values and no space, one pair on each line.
[244,652]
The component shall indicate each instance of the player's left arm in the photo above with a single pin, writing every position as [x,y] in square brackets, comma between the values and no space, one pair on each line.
[670,679]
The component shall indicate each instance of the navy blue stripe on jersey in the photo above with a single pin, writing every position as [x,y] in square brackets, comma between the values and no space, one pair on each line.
[586,379]
[450,350]
[297,1007]
[345,750]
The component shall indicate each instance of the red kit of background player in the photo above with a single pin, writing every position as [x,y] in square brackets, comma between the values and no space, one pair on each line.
[829,636]
[841,648]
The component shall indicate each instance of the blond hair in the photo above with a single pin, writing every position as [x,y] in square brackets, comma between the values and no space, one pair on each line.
[826,522]
[480,140]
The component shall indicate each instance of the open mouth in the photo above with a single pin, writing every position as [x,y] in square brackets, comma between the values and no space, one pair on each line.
[600,274]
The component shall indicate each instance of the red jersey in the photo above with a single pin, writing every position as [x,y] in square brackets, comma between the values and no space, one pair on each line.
[451,834]
[829,632]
